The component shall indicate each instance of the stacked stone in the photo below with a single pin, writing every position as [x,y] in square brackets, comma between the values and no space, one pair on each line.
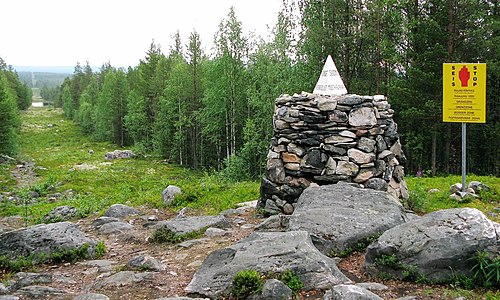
[327,139]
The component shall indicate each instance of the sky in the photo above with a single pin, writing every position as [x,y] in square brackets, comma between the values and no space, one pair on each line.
[64,32]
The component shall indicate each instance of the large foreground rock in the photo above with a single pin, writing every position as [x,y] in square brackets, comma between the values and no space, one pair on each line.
[339,216]
[266,252]
[437,246]
[43,239]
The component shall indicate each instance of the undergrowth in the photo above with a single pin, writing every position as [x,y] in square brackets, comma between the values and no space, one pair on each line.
[29,263]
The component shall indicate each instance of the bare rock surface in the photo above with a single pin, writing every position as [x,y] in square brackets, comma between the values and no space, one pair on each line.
[339,216]
[266,252]
[437,246]
[43,239]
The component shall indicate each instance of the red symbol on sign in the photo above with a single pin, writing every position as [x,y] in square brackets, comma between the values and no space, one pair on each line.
[464,76]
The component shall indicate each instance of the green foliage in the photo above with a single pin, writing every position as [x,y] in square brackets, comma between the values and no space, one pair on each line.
[100,250]
[9,118]
[293,281]
[246,283]
[487,270]
[164,235]
[21,263]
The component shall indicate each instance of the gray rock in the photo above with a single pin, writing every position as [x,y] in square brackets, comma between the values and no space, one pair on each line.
[360,157]
[274,223]
[39,292]
[91,296]
[275,170]
[61,213]
[339,216]
[102,265]
[265,252]
[273,289]
[169,194]
[3,289]
[23,279]
[8,297]
[97,223]
[120,211]
[115,228]
[43,239]
[372,286]
[362,117]
[119,154]
[366,144]
[350,292]
[123,278]
[145,262]
[478,187]
[215,232]
[347,168]
[193,224]
[437,246]
[376,184]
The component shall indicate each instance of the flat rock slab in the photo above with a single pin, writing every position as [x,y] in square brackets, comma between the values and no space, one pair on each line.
[115,228]
[43,239]
[91,296]
[39,292]
[350,292]
[266,252]
[120,211]
[192,224]
[123,278]
[339,216]
[437,246]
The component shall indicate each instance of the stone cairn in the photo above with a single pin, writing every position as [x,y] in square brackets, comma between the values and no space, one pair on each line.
[321,140]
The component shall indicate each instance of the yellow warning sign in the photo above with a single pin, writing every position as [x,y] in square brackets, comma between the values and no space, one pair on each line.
[464,93]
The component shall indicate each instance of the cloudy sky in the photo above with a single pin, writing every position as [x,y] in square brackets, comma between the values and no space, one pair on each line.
[63,32]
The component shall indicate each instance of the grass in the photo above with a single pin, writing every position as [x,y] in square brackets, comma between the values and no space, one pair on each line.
[60,150]
[425,201]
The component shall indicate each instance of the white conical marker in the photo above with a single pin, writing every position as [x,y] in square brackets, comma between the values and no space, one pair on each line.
[329,82]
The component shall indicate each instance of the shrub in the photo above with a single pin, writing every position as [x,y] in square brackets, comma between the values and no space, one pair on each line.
[246,283]
[164,235]
[487,270]
[293,281]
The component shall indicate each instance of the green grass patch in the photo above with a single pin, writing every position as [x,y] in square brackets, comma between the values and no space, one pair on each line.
[429,194]
[164,235]
[29,263]
[68,160]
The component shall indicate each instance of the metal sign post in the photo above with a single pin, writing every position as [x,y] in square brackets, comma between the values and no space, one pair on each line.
[464,100]
[464,155]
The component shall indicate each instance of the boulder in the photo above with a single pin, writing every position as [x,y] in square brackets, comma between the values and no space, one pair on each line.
[40,292]
[350,292]
[145,262]
[169,194]
[115,228]
[192,224]
[119,154]
[265,252]
[61,213]
[123,278]
[437,246]
[340,216]
[120,211]
[91,296]
[273,289]
[43,239]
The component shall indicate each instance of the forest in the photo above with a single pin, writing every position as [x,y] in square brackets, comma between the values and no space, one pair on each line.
[214,109]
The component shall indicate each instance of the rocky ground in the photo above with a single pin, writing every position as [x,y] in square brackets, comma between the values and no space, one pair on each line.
[180,262]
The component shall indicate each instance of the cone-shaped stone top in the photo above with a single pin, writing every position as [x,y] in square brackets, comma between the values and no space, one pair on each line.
[329,82]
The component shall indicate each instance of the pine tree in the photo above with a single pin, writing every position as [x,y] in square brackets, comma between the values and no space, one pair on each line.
[9,118]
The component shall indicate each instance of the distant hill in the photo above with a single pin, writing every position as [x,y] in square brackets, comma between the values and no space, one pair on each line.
[38,78]
[45,69]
